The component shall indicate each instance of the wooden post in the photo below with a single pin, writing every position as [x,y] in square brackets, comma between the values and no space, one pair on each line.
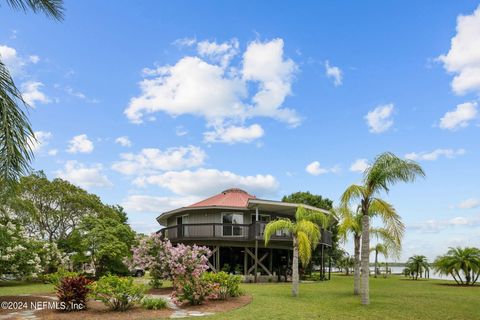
[256,244]
[270,262]
[245,262]
[217,259]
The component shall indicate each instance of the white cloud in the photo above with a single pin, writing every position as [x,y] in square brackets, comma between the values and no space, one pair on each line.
[31,93]
[436,225]
[218,91]
[42,140]
[463,58]
[315,169]
[205,182]
[334,72]
[144,203]
[80,144]
[234,134]
[52,152]
[460,117]
[435,154]
[360,165]
[469,203]
[185,42]
[180,131]
[151,160]
[380,119]
[218,52]
[80,95]
[84,176]
[15,62]
[124,141]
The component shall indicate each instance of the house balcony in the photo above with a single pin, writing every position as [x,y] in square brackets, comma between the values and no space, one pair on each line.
[228,232]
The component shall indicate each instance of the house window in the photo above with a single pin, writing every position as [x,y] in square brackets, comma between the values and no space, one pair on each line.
[230,230]
[261,217]
[182,221]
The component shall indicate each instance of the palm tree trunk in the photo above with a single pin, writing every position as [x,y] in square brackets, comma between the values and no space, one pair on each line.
[356,270]
[365,258]
[376,263]
[295,278]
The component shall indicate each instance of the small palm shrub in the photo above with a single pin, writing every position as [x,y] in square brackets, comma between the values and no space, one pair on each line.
[119,294]
[154,303]
[227,285]
[72,292]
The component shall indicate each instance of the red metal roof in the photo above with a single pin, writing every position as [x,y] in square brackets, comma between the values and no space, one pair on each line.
[229,198]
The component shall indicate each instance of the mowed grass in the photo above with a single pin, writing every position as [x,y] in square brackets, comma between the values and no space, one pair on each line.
[391,298]
[12,288]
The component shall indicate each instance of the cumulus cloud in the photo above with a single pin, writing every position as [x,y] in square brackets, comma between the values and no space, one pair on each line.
[316,169]
[80,144]
[83,175]
[155,204]
[15,62]
[436,225]
[334,73]
[205,182]
[152,160]
[31,93]
[435,154]
[380,119]
[463,58]
[234,134]
[360,165]
[124,141]
[209,86]
[469,203]
[460,117]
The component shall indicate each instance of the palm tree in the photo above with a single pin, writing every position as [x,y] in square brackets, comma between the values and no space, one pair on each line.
[378,248]
[386,170]
[350,223]
[305,231]
[460,261]
[16,134]
[417,265]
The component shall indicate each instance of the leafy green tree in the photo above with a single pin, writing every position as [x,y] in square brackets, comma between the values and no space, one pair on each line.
[386,170]
[16,134]
[310,199]
[417,265]
[463,264]
[52,209]
[305,233]
[105,242]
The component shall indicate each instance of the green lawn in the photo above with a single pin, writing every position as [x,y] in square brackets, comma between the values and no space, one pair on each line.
[392,298]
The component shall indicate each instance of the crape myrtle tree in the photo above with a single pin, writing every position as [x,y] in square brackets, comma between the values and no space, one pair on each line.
[316,200]
[16,134]
[305,231]
[386,170]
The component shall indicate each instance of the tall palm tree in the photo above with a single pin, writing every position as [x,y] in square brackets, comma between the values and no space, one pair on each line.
[305,231]
[417,265]
[350,223]
[390,246]
[386,170]
[460,261]
[16,134]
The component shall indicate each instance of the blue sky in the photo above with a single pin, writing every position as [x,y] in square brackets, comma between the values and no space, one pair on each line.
[157,104]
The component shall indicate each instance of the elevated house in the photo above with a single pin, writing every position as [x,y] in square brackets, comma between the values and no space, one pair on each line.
[231,224]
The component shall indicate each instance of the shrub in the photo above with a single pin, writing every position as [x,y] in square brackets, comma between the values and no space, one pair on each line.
[73,291]
[154,303]
[117,293]
[228,284]
[59,275]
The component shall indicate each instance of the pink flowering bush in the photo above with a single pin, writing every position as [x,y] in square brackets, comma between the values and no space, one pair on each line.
[183,265]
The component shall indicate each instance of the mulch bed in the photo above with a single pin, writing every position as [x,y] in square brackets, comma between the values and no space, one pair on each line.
[97,310]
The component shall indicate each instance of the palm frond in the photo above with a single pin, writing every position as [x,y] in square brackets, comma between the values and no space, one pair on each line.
[349,222]
[314,216]
[391,219]
[389,242]
[353,192]
[311,229]
[277,225]
[51,8]
[16,134]
[304,247]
